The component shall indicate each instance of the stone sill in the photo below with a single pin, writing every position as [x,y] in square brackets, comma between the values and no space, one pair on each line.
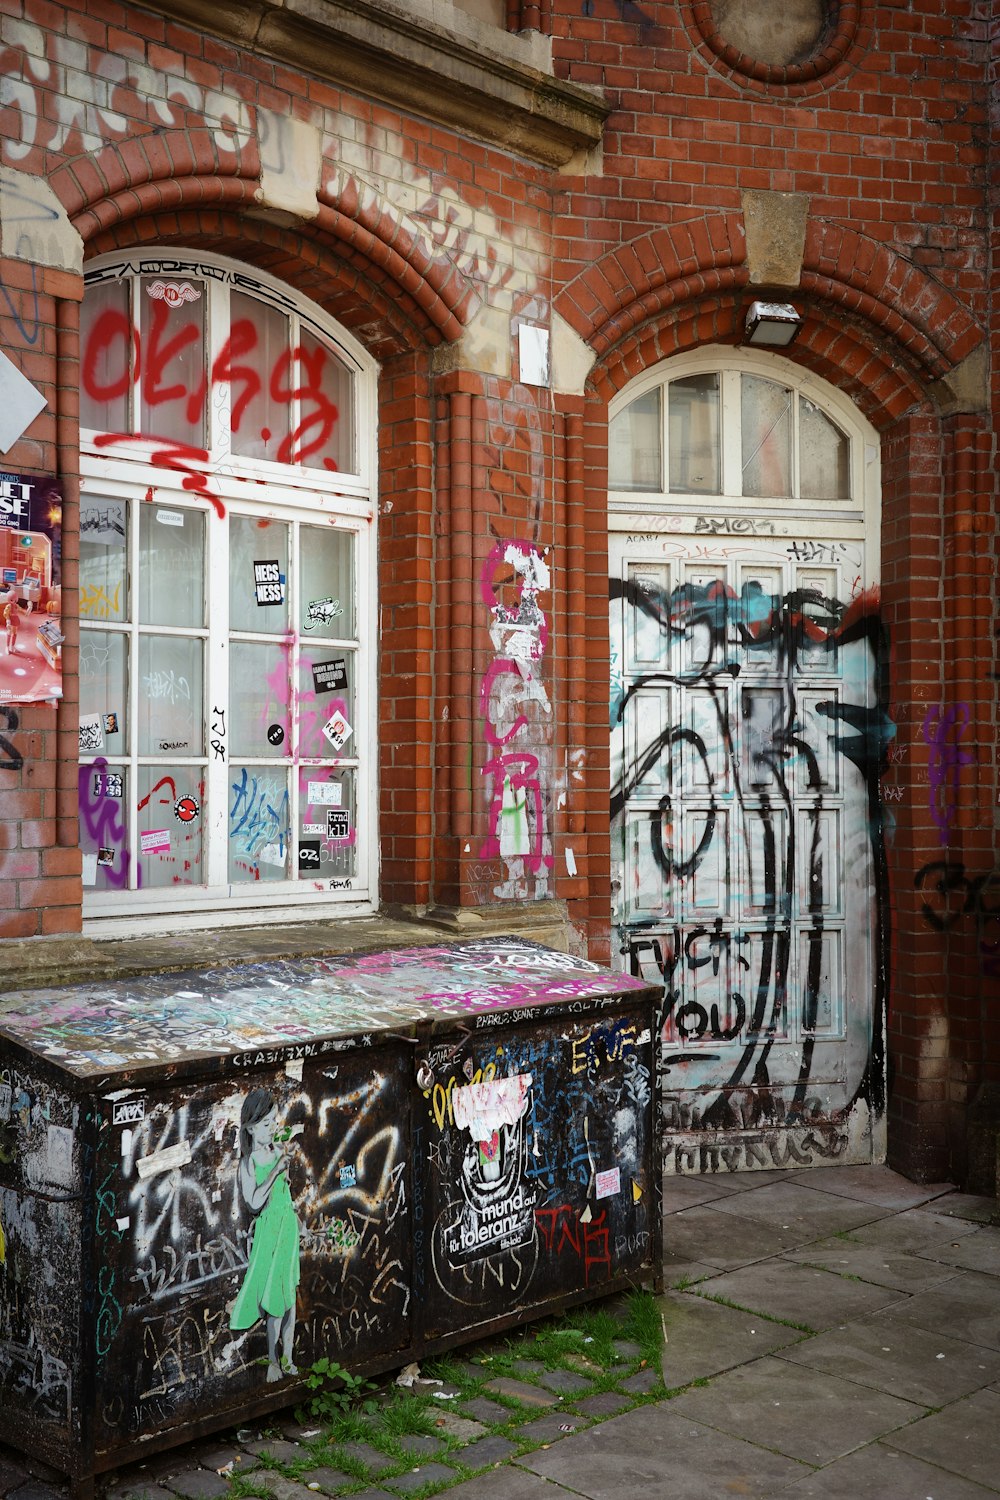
[43,963]
[423,56]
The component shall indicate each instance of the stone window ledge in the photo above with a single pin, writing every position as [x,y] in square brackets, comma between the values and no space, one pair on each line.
[424,56]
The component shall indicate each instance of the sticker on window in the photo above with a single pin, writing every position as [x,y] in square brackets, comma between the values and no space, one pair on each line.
[322,612]
[268,582]
[337,730]
[338,823]
[309,854]
[325,793]
[155,840]
[110,723]
[328,676]
[105,857]
[91,733]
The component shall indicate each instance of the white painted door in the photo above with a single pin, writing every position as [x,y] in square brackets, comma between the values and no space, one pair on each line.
[745,738]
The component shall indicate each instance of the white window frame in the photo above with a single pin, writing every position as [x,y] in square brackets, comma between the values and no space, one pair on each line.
[295,495]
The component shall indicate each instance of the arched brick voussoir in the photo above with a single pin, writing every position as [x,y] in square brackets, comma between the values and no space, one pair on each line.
[365,219]
[148,198]
[156,157]
[632,281]
[879,285]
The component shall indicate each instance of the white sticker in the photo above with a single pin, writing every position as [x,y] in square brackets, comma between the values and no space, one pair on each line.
[91,733]
[270,854]
[122,1225]
[315,828]
[570,862]
[293,1069]
[126,1143]
[90,869]
[337,730]
[608,1183]
[164,1161]
[326,793]
[154,840]
[59,1155]
[129,1113]
[533,354]
[170,517]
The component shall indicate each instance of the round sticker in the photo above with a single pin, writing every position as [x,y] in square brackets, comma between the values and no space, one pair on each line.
[186,809]
[275,734]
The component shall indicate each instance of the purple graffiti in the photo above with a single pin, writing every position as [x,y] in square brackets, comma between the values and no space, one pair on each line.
[101,816]
[942,729]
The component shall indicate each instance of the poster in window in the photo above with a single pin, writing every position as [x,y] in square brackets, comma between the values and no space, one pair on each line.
[31,636]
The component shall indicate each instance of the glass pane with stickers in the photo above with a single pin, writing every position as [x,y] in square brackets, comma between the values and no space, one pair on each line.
[171,583]
[104,839]
[634,445]
[767,437]
[171,696]
[326,588]
[106,345]
[103,693]
[327,831]
[259,700]
[103,559]
[258,575]
[171,808]
[259,823]
[326,718]
[173,381]
[260,405]
[324,386]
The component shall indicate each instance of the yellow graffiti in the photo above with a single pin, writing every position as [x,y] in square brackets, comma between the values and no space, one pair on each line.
[441,1093]
[96,603]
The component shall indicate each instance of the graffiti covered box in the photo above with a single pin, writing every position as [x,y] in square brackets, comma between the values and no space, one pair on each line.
[210,1180]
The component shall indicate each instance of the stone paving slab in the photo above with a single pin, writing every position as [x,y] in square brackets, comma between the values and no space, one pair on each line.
[364,1453]
[603,1404]
[800,1294]
[874,1263]
[198,1484]
[511,1483]
[489,1450]
[791,1207]
[684,1272]
[415,1479]
[961,1438]
[893,1356]
[485,1410]
[814,1420]
[914,1231]
[421,1444]
[705,1234]
[463,1429]
[978,1251]
[687,1192]
[329,1480]
[554,1426]
[966,1307]
[967,1206]
[519,1390]
[880,1473]
[704,1339]
[749,1182]
[871,1184]
[656,1451]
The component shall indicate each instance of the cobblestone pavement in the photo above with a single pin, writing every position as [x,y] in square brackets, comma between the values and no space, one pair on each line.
[831,1334]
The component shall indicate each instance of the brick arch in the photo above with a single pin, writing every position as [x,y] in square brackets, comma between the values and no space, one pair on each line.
[839,350]
[152,181]
[885,309]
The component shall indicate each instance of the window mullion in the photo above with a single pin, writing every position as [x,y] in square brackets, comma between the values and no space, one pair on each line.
[732,434]
[220,442]
[294,650]
[132,635]
[217,682]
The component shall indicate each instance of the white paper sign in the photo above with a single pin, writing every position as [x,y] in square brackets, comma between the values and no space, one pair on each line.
[608,1184]
[90,869]
[154,840]
[270,854]
[170,517]
[91,733]
[326,793]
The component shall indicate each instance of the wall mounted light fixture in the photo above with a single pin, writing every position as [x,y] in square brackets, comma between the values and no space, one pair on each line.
[773,324]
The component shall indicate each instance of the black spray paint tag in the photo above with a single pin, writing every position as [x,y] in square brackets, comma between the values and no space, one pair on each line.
[309,854]
[329,675]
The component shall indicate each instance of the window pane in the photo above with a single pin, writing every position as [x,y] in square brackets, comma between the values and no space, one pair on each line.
[767,437]
[326,591]
[171,697]
[258,343]
[104,793]
[323,438]
[824,456]
[103,693]
[327,831]
[103,559]
[260,823]
[258,575]
[259,699]
[172,339]
[693,434]
[634,439]
[325,704]
[105,358]
[171,820]
[171,566]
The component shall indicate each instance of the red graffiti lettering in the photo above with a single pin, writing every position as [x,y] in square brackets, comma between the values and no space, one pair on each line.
[109,329]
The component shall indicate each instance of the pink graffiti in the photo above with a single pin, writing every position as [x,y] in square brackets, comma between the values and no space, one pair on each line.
[942,730]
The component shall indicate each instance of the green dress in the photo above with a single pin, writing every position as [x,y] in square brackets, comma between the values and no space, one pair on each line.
[273,1269]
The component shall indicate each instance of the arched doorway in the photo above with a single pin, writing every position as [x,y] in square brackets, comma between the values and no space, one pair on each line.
[746,735]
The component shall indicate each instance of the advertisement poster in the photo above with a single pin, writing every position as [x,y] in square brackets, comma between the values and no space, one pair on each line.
[31,635]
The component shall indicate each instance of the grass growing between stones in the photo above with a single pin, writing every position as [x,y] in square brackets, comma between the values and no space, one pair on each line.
[475,1411]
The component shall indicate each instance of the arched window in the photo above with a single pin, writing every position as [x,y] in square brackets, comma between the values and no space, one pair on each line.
[750,428]
[226,596]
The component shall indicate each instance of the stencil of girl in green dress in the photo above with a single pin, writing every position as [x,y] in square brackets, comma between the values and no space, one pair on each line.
[272,1274]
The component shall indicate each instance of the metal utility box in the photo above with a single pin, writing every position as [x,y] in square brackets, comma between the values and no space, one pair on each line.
[210,1180]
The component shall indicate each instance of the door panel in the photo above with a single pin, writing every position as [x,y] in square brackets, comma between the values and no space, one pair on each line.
[743,689]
